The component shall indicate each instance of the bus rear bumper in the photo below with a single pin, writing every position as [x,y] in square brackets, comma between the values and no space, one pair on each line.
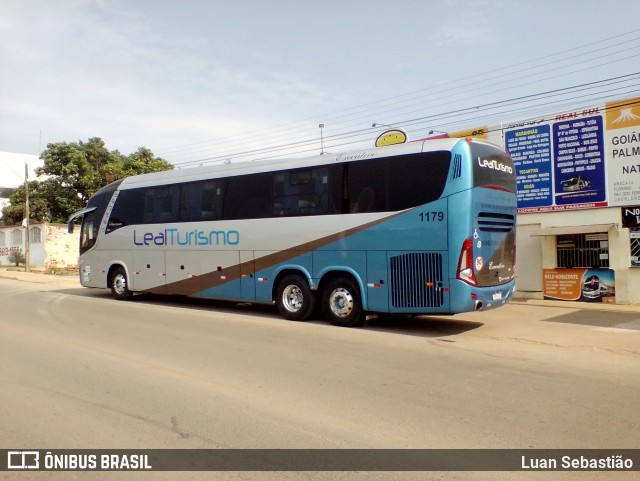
[471,298]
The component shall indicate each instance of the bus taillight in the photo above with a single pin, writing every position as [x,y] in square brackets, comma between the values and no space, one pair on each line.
[465,264]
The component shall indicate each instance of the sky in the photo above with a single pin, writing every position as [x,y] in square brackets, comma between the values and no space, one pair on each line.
[200,82]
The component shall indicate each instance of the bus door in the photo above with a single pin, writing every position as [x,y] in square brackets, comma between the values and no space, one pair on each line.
[247,276]
[418,280]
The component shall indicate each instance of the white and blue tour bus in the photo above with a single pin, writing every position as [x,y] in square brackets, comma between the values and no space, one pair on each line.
[419,228]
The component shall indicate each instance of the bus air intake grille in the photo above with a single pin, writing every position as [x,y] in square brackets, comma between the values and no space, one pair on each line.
[456,169]
[495,222]
[416,280]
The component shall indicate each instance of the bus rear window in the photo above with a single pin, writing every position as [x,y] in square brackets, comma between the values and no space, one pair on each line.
[492,168]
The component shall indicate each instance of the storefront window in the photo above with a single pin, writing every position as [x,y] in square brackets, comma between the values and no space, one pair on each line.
[583,250]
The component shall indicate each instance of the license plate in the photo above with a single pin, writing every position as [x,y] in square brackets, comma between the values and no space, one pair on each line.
[497,296]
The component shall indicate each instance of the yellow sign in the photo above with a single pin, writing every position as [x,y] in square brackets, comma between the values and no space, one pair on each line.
[625,113]
[391,137]
[477,133]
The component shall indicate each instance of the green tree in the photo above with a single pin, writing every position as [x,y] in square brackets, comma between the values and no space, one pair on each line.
[13,212]
[71,174]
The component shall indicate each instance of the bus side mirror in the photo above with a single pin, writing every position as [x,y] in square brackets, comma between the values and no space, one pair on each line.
[70,227]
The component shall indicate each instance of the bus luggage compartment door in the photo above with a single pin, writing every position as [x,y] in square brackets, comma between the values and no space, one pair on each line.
[149,272]
[418,282]
[183,272]
[377,282]
[247,276]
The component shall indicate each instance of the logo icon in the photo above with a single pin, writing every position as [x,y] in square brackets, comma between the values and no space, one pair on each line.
[23,460]
[623,114]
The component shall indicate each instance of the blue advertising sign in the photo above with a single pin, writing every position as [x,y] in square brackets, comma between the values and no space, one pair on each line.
[579,161]
[530,149]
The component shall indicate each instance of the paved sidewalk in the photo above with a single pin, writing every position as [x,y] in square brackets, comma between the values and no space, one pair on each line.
[38,277]
[597,306]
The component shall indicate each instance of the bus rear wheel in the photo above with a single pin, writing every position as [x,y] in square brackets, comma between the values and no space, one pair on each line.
[120,285]
[294,298]
[341,303]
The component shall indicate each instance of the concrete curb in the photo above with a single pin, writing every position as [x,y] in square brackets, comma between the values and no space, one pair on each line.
[39,277]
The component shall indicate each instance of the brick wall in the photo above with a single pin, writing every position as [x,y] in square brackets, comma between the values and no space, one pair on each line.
[53,249]
[61,248]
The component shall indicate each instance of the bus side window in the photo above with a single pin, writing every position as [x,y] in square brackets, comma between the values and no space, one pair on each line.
[201,201]
[367,185]
[211,202]
[301,192]
[365,200]
[89,233]
[284,203]
[249,197]
[416,179]
[161,205]
[128,209]
[190,199]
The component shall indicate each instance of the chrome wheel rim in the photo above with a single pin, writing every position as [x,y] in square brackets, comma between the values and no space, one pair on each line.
[292,298]
[341,302]
[120,284]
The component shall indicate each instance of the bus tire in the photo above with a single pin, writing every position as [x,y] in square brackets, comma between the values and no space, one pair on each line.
[120,285]
[294,298]
[341,303]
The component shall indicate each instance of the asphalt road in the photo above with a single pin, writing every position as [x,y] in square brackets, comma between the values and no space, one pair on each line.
[80,370]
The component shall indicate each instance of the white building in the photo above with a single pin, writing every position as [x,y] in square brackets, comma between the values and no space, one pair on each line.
[50,246]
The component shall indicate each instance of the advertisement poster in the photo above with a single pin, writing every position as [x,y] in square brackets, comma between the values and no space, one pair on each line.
[530,149]
[585,285]
[623,152]
[579,161]
[560,161]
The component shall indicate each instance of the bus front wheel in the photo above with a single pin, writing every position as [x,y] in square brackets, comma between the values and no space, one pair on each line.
[119,285]
[294,298]
[341,303]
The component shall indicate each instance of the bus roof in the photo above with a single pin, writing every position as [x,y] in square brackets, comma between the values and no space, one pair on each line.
[258,166]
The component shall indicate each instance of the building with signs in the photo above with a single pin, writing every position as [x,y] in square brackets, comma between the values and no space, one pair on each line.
[578,182]
[578,177]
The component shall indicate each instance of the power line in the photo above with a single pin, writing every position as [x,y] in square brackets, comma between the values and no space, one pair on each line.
[453,117]
[298,134]
[357,109]
[284,134]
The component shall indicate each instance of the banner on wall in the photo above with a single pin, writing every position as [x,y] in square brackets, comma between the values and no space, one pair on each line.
[579,159]
[477,133]
[623,151]
[585,285]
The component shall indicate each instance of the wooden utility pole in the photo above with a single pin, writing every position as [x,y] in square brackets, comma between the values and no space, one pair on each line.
[27,244]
